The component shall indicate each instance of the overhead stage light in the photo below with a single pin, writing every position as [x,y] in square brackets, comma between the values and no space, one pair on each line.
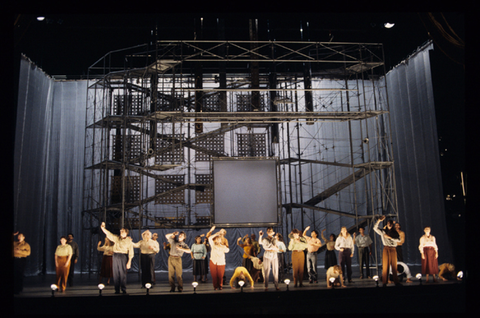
[388,25]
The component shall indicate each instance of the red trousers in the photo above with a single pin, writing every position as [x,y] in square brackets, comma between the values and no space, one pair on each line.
[217,272]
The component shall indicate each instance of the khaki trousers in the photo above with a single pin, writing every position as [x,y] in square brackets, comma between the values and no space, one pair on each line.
[175,268]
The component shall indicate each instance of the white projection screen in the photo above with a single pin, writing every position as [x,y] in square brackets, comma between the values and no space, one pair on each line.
[245,192]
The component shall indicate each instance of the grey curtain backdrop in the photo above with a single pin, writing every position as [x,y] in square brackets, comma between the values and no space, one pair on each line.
[49,154]
[416,153]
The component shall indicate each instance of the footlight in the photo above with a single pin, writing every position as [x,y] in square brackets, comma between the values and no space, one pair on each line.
[287,281]
[194,284]
[241,283]
[54,289]
[375,278]
[419,277]
[332,281]
[460,275]
[148,286]
[100,287]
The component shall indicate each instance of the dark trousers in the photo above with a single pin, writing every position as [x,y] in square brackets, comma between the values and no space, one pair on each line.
[364,259]
[18,271]
[148,265]
[389,259]
[71,271]
[346,262]
[119,266]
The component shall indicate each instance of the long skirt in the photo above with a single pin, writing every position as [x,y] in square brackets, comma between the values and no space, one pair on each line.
[199,267]
[106,269]
[298,263]
[62,272]
[430,263]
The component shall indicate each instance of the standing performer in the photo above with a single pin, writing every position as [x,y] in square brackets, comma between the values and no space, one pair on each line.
[429,250]
[217,259]
[297,245]
[224,241]
[21,250]
[330,257]
[199,253]
[74,260]
[314,244]
[364,245]
[148,249]
[63,256]
[248,250]
[344,244]
[122,257]
[270,260]
[177,248]
[390,238]
[106,269]
[282,249]
[399,244]
[155,238]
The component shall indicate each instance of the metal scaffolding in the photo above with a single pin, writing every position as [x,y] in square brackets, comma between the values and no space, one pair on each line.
[156,118]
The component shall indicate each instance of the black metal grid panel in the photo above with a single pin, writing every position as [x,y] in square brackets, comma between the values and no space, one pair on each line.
[132,150]
[132,189]
[244,103]
[207,195]
[211,103]
[171,156]
[252,145]
[215,143]
[175,197]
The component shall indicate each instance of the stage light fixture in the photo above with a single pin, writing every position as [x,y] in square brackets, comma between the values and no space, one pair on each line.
[332,281]
[54,289]
[287,282]
[375,278]
[40,18]
[460,275]
[148,286]
[241,283]
[100,287]
[195,284]
[388,25]
[419,277]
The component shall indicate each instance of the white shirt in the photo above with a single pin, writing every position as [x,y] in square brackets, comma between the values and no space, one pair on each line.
[343,242]
[217,254]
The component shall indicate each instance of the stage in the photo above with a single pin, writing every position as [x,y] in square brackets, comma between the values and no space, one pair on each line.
[361,296]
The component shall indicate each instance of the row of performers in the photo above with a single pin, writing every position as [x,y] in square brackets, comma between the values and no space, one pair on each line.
[120,252]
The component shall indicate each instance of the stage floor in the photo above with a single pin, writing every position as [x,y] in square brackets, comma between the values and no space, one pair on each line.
[362,295]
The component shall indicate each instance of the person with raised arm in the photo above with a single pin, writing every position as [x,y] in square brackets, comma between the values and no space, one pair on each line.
[122,257]
[270,261]
[177,248]
[330,257]
[106,266]
[148,249]
[217,258]
[390,238]
[314,244]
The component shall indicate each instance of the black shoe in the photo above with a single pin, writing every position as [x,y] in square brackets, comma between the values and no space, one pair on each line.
[172,290]
[310,281]
[117,292]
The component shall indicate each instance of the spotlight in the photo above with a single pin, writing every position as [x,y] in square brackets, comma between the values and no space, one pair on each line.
[54,289]
[40,18]
[460,275]
[194,284]
[148,286]
[375,278]
[388,25]
[241,283]
[332,281]
[366,140]
[100,287]
[419,277]
[287,281]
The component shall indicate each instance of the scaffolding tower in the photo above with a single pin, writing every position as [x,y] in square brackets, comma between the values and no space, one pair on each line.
[157,118]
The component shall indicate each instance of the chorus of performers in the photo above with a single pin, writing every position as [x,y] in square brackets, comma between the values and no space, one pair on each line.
[263,260]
